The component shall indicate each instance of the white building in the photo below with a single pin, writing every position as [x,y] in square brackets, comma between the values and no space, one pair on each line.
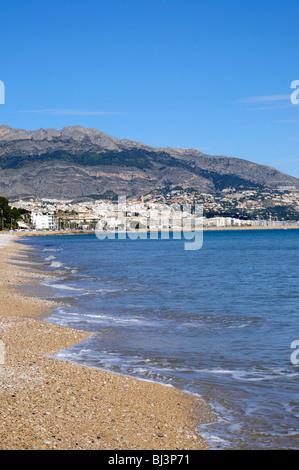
[43,221]
[224,222]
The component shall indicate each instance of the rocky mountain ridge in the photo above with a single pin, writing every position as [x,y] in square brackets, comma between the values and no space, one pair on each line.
[77,162]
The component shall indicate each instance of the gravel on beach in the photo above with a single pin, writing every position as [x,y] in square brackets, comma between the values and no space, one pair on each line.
[46,403]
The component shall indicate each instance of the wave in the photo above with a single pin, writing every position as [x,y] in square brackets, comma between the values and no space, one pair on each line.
[56,264]
[54,250]
[66,287]
[50,258]
[249,375]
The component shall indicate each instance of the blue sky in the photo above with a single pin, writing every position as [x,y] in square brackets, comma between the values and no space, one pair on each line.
[212,75]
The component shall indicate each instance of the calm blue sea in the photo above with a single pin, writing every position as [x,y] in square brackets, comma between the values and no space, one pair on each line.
[218,322]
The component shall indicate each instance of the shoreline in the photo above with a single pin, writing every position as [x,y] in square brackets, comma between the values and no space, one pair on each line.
[47,403]
[38,233]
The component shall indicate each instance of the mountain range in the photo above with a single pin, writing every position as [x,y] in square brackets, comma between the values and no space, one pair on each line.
[77,163]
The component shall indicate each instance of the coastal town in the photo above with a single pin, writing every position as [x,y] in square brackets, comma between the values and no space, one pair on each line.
[149,229]
[231,208]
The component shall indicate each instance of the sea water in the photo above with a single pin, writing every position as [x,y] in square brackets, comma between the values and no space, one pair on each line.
[218,322]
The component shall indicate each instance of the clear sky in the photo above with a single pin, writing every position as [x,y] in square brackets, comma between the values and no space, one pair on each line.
[212,75]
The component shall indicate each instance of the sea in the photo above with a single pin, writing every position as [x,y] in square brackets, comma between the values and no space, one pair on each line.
[220,322]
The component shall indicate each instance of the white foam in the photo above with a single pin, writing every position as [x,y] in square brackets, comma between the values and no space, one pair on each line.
[50,258]
[56,264]
[65,287]
[248,375]
[52,249]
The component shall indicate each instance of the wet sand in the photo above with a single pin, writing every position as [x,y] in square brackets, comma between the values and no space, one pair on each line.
[46,403]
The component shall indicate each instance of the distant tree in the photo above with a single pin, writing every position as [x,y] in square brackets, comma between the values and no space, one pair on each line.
[9,216]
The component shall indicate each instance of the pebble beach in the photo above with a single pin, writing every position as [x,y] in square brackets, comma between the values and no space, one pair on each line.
[46,403]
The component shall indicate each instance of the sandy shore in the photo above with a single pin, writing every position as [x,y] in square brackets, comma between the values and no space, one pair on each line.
[46,403]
